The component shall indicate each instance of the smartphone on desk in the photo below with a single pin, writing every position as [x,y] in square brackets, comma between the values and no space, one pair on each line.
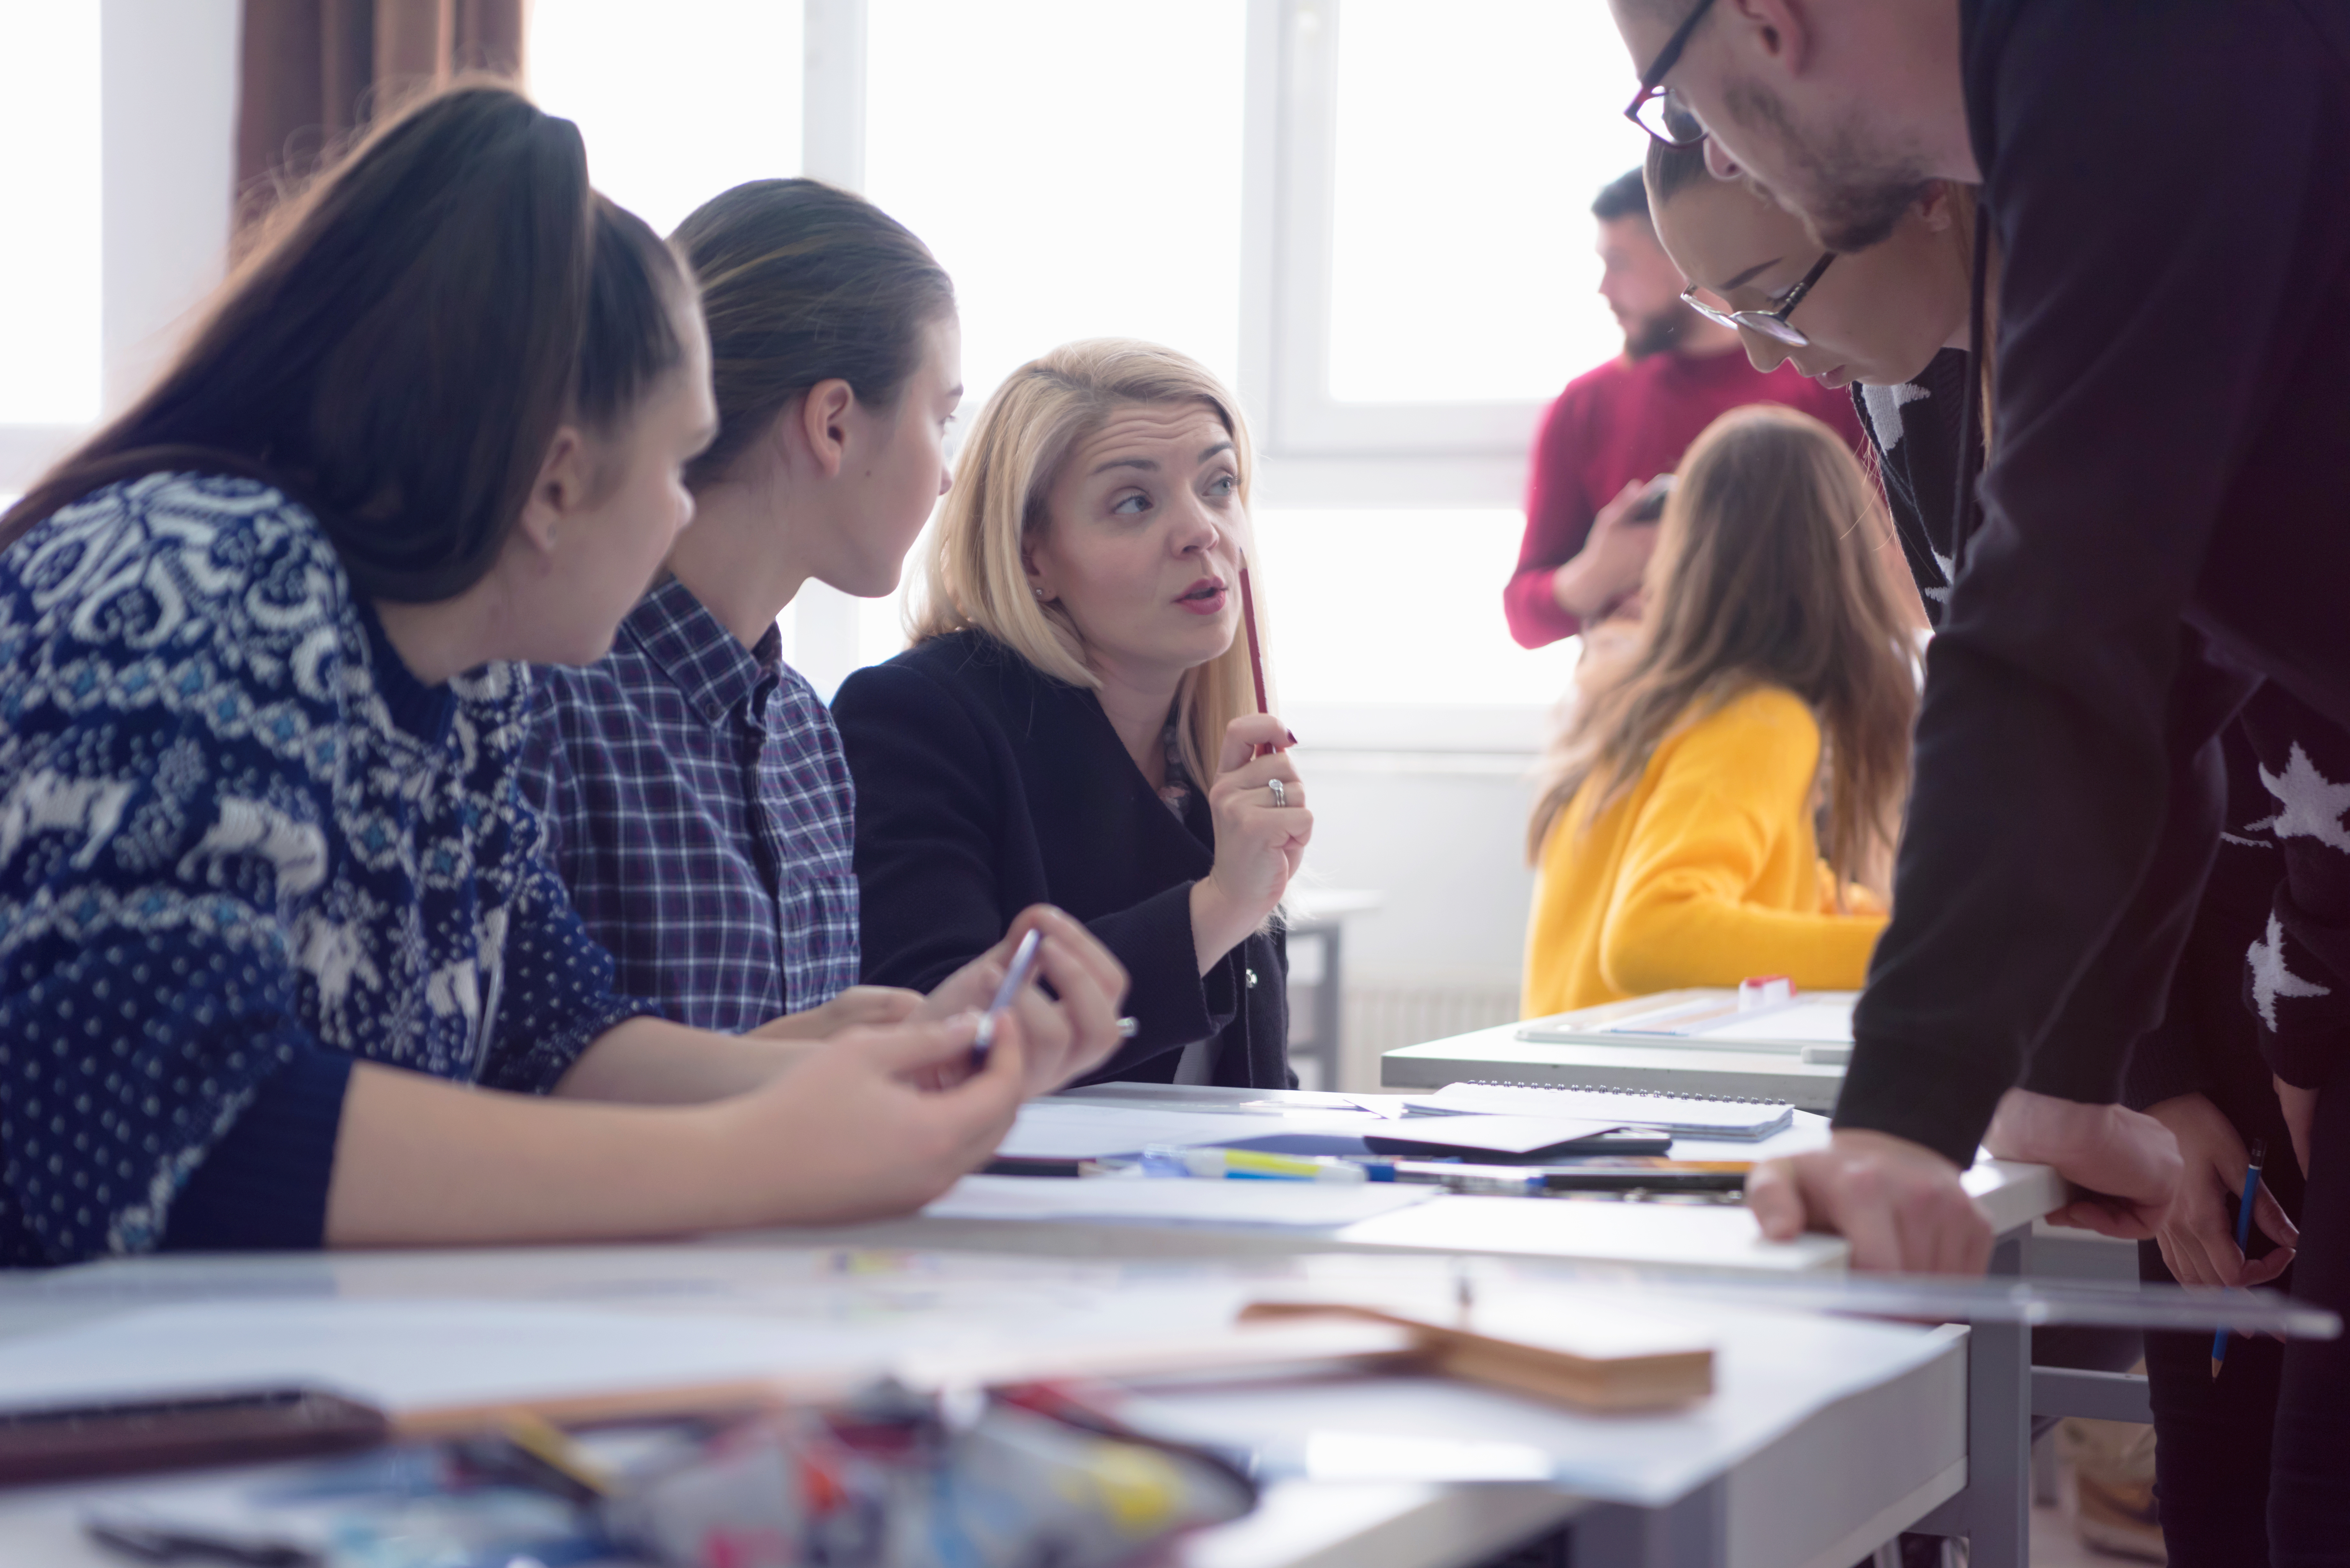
[68,1442]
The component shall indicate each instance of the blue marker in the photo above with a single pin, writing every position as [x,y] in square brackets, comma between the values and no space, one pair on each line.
[1023,959]
[2243,1234]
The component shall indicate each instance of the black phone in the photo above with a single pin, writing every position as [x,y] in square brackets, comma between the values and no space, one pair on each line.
[66,1442]
[1651,503]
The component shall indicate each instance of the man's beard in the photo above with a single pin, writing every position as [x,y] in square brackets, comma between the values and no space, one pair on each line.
[1649,335]
[1855,197]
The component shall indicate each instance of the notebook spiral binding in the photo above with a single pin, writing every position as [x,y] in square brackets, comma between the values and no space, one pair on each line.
[1606,1089]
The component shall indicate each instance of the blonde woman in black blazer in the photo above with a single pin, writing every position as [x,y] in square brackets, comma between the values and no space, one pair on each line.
[1075,721]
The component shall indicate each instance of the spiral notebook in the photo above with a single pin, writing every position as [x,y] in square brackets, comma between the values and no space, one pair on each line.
[1683,1115]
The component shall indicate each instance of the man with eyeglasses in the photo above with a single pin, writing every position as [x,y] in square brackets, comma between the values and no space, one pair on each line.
[2163,521]
[1616,427]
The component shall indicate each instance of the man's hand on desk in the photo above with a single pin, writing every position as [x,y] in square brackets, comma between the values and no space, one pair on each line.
[2123,1166]
[1899,1203]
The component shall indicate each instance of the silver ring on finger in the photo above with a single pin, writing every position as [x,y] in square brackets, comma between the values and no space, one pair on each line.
[1280,791]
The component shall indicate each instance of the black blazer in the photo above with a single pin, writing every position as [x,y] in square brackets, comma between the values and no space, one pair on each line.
[984,787]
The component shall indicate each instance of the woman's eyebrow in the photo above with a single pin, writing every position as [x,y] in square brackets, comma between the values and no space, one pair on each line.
[1221,446]
[1748,276]
[1148,465]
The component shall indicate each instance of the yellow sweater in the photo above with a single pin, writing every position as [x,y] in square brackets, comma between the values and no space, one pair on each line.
[1705,872]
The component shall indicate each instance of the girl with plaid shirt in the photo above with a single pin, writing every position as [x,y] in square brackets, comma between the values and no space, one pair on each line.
[696,798]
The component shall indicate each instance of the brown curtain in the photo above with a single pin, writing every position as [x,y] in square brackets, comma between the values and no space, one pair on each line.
[313,71]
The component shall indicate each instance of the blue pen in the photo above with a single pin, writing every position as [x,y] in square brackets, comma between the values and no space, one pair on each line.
[2243,1234]
[1024,958]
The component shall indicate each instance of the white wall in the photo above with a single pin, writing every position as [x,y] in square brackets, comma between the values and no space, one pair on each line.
[167,79]
[1441,838]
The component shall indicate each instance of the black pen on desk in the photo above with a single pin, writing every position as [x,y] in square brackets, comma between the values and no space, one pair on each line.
[2243,1235]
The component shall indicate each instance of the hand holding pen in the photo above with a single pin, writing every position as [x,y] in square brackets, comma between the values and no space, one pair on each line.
[1260,821]
[2199,1245]
[1064,1033]
[1262,825]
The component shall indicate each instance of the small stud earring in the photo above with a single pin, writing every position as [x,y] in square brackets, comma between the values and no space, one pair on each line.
[1038,592]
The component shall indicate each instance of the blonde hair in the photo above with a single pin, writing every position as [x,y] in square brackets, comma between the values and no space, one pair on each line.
[1775,565]
[975,576]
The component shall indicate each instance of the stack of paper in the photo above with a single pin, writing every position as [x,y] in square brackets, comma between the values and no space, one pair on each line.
[1099,1127]
[1681,1115]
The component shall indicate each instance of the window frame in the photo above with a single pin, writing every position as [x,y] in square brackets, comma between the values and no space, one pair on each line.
[163,199]
[1319,450]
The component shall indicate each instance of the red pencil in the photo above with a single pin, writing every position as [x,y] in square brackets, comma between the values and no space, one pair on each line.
[1256,654]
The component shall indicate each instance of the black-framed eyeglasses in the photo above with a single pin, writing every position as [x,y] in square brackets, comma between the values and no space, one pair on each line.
[1654,108]
[1771,323]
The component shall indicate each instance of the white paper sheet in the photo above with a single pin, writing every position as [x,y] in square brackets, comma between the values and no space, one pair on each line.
[1807,1022]
[411,1355]
[1080,1129]
[1152,1201]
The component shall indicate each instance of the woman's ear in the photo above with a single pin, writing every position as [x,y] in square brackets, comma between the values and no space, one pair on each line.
[565,482]
[823,422]
[1037,587]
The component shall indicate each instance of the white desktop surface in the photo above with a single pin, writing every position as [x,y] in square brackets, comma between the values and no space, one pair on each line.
[1648,1235]
[1870,1414]
[1827,1436]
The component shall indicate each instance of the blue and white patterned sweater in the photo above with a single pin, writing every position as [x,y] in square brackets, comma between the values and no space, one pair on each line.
[236,832]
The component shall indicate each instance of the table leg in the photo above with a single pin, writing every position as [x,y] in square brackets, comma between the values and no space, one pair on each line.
[1329,1005]
[1999,1430]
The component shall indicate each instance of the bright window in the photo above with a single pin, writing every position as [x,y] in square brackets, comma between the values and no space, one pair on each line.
[1471,140]
[1399,608]
[50,270]
[1076,165]
[678,101]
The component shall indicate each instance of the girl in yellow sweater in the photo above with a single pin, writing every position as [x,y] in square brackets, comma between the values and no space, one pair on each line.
[1770,688]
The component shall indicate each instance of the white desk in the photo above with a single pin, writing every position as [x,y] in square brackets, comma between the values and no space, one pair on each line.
[1824,1436]
[1997,1398]
[1498,1054]
[2005,1395]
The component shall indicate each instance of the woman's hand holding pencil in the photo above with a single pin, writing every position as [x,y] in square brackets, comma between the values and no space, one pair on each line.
[1262,825]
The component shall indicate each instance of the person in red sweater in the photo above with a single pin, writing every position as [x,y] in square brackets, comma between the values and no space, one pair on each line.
[1615,428]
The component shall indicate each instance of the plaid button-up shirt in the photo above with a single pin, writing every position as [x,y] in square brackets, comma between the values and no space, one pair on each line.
[698,807]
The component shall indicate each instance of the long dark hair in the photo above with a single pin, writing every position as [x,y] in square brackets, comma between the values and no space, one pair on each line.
[1775,565]
[802,283]
[400,345]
